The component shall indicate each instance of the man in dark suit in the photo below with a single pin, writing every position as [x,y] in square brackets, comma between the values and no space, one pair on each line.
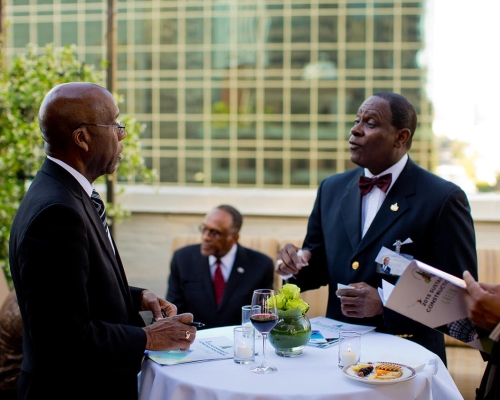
[83,337]
[483,306]
[194,274]
[348,228]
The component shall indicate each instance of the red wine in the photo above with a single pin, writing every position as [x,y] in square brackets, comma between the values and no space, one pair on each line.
[264,322]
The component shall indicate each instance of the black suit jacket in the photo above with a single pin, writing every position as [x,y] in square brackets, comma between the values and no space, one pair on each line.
[190,284]
[82,335]
[431,211]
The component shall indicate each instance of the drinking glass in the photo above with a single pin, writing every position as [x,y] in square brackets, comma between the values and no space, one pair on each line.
[349,348]
[245,319]
[264,321]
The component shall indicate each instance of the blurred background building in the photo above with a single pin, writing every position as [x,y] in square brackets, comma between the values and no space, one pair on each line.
[244,93]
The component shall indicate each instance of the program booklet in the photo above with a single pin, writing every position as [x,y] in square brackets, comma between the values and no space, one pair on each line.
[435,298]
[209,349]
[325,331]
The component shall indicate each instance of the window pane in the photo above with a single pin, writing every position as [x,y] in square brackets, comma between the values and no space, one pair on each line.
[168,169]
[355,28]
[246,173]
[275,30]
[194,30]
[143,98]
[273,101]
[220,170]
[194,60]
[300,101]
[194,170]
[21,34]
[354,99]
[168,31]
[168,101]
[69,33]
[300,130]
[301,30]
[327,30]
[168,130]
[383,59]
[273,171]
[194,101]
[194,130]
[409,59]
[410,27]
[143,33]
[93,33]
[299,172]
[383,28]
[327,101]
[45,33]
[168,60]
[274,59]
[355,59]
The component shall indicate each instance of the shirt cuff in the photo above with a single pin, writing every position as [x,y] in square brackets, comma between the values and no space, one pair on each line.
[495,333]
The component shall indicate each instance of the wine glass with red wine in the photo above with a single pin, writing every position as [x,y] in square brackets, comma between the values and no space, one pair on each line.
[264,318]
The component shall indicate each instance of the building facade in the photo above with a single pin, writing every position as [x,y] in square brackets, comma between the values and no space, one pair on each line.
[244,93]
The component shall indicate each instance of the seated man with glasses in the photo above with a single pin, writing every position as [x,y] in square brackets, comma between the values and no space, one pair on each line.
[214,279]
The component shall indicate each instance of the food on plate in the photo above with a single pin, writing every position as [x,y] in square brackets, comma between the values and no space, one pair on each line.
[388,371]
[382,371]
[356,367]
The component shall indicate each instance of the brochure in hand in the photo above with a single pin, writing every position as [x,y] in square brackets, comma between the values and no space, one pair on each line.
[434,298]
[325,331]
[209,349]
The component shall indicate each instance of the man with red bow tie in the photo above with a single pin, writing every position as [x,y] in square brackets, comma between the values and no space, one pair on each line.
[387,199]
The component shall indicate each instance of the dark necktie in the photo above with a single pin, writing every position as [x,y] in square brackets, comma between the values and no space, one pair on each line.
[382,182]
[219,283]
[99,205]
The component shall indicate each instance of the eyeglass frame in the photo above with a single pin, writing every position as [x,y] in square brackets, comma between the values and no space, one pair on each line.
[121,126]
[213,232]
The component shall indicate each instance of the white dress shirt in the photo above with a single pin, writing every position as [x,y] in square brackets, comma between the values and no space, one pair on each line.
[373,200]
[226,263]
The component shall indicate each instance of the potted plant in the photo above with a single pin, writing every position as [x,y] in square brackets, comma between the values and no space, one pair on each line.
[293,330]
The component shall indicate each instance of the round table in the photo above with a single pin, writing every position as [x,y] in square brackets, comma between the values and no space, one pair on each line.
[314,375]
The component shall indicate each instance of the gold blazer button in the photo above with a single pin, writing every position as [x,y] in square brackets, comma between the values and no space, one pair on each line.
[355,265]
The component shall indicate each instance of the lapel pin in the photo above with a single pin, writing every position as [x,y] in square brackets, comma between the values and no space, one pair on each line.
[394,207]
[240,270]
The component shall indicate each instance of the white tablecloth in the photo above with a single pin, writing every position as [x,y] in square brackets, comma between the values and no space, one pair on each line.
[313,375]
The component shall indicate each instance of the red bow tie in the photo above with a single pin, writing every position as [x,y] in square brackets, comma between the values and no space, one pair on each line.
[382,182]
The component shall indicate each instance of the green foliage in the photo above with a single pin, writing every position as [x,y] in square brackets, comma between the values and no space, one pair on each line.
[23,85]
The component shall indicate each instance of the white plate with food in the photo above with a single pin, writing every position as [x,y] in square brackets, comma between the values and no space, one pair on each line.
[379,372]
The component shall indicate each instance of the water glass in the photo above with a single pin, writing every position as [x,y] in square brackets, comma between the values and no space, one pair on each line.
[246,311]
[349,348]
[244,345]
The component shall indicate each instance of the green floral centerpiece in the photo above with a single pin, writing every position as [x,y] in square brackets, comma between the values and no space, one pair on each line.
[293,330]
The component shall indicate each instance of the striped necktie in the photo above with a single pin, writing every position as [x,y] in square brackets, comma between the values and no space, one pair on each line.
[219,283]
[99,205]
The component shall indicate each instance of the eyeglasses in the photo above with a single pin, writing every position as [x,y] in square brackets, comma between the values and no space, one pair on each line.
[119,125]
[212,232]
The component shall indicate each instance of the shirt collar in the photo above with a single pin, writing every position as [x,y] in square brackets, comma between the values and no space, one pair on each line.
[85,184]
[227,260]
[395,170]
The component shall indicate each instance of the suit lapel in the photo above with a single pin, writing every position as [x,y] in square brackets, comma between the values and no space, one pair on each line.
[394,206]
[59,173]
[350,207]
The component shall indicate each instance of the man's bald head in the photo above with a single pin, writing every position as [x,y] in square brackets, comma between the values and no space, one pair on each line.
[79,124]
[66,106]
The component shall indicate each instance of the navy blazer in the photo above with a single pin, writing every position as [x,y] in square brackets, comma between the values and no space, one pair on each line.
[190,285]
[432,212]
[82,336]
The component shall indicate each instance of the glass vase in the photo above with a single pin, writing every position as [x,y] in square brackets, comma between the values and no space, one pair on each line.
[291,333]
